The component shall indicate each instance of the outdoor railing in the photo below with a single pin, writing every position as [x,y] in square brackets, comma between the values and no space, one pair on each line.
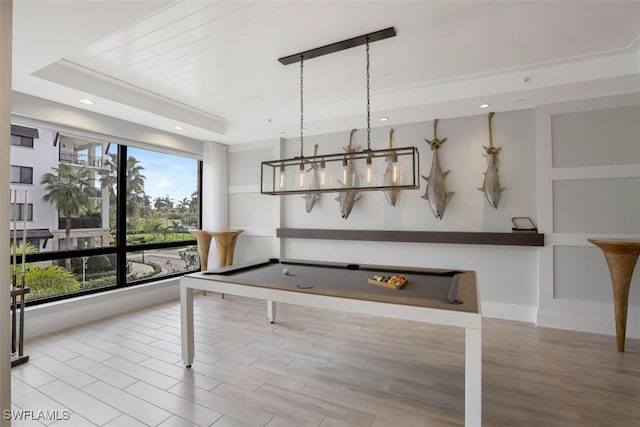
[76,223]
[80,159]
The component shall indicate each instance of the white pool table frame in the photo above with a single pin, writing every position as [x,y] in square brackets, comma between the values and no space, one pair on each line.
[471,322]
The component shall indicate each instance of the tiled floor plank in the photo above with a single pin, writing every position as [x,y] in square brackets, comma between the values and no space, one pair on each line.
[184,408]
[320,368]
[80,402]
[127,403]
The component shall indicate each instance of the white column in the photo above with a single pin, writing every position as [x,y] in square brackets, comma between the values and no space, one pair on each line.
[215,192]
[6,31]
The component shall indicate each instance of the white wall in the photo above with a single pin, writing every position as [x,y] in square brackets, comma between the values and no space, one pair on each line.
[257,214]
[574,168]
[462,153]
[589,186]
[508,276]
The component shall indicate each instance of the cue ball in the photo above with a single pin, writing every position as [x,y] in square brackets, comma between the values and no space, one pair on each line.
[285,271]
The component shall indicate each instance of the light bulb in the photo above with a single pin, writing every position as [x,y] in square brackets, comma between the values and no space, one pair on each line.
[345,166]
[282,176]
[322,172]
[394,159]
[369,168]
[301,174]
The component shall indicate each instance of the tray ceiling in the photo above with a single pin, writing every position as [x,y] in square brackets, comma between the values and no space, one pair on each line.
[211,66]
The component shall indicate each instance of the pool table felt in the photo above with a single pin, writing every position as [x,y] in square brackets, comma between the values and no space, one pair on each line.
[420,290]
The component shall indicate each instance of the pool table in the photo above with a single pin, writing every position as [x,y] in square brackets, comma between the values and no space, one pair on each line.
[445,297]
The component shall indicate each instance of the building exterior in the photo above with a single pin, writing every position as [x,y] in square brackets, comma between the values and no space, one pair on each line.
[35,152]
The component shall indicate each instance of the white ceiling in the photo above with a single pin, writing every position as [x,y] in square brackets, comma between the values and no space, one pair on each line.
[211,66]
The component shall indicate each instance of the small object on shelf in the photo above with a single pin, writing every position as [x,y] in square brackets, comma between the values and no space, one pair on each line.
[392,282]
[520,225]
[285,271]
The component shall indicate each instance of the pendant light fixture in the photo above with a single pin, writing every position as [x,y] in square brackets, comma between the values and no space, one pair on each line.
[274,174]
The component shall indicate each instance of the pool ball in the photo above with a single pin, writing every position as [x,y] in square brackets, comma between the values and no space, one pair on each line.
[285,271]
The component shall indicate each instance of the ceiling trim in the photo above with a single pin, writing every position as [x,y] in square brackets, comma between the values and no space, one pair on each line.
[80,78]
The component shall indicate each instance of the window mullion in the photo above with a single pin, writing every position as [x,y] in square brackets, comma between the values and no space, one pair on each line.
[121,217]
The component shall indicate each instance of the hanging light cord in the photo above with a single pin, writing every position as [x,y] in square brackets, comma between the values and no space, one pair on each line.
[301,106]
[368,102]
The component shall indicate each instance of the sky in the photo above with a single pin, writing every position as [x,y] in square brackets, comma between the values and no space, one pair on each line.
[167,175]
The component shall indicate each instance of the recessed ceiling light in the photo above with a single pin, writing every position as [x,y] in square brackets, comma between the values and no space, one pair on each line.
[86,101]
[485,105]
[177,127]
[384,119]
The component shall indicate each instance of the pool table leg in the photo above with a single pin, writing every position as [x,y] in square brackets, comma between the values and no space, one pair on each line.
[186,324]
[473,378]
[271,311]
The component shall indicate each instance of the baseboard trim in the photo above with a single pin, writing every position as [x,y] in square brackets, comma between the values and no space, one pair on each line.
[597,323]
[517,312]
[47,318]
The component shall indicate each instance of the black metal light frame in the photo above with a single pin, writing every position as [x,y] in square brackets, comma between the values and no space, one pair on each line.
[270,171]
[270,180]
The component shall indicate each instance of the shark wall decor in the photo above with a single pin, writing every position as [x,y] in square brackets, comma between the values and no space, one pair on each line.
[350,179]
[391,175]
[436,194]
[312,197]
[491,183]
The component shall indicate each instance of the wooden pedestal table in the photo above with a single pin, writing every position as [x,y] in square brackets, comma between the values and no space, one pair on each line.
[226,245]
[621,255]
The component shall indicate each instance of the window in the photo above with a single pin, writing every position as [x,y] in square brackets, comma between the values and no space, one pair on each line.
[162,192]
[109,215]
[23,136]
[21,174]
[21,141]
[22,213]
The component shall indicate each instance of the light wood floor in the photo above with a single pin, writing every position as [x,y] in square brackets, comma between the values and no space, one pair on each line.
[320,368]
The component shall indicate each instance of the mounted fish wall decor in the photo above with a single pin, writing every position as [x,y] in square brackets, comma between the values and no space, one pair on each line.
[350,179]
[436,194]
[491,183]
[311,198]
[390,175]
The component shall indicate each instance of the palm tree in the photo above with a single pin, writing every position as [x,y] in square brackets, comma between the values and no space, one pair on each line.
[163,205]
[108,177]
[69,190]
[135,186]
[135,195]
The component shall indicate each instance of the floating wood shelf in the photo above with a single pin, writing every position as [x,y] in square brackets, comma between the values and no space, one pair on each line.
[451,237]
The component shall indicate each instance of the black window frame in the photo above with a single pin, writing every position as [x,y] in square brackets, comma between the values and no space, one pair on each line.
[21,141]
[121,248]
[21,212]
[28,181]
